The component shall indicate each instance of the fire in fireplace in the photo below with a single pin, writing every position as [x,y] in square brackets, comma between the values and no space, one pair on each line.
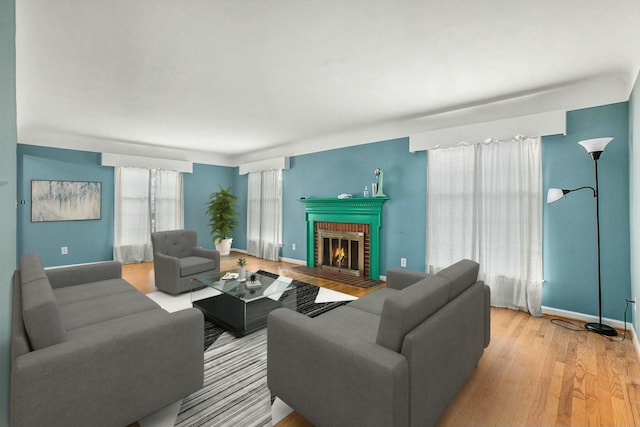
[341,251]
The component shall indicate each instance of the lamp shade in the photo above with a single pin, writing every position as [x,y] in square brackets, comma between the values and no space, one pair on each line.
[555,194]
[595,145]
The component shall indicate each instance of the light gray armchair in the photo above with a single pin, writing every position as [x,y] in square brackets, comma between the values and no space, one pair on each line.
[177,260]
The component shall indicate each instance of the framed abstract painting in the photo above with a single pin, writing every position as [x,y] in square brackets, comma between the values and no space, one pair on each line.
[65,200]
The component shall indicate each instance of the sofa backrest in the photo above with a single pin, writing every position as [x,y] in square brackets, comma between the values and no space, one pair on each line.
[39,307]
[175,243]
[462,274]
[408,308]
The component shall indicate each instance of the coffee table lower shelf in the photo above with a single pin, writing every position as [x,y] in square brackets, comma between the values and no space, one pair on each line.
[237,316]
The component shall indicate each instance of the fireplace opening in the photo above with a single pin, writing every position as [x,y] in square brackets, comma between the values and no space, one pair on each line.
[341,251]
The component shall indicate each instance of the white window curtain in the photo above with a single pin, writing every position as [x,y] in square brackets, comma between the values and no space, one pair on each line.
[264,214]
[132,225]
[484,202]
[168,201]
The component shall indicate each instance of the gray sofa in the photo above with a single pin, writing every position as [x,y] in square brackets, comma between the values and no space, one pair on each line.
[87,348]
[177,260]
[396,357]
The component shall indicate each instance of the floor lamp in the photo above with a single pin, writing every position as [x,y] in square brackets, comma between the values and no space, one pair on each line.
[594,147]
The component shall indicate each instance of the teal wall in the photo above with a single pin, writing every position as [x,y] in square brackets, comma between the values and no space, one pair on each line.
[569,234]
[634,197]
[7,192]
[569,238]
[88,241]
[197,187]
[91,241]
[349,170]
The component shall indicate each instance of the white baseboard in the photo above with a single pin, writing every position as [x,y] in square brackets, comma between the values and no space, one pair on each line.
[585,317]
[293,261]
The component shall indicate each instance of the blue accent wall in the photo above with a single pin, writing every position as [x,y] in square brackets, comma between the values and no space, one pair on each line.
[349,170]
[8,225]
[569,233]
[197,187]
[91,241]
[568,225]
[88,241]
[634,196]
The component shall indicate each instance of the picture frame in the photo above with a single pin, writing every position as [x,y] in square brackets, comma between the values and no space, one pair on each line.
[53,200]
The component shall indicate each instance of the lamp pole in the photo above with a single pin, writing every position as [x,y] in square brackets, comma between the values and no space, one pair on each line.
[594,147]
[599,327]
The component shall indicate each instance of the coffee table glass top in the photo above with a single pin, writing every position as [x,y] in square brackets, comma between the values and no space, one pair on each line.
[247,290]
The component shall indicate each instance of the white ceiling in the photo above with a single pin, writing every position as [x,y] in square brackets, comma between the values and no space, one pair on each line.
[226,81]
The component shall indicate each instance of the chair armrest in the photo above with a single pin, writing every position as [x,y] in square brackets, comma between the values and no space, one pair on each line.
[208,253]
[129,366]
[398,278]
[307,364]
[166,266]
[78,274]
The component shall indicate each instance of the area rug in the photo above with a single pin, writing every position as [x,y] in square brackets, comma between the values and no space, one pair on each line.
[235,389]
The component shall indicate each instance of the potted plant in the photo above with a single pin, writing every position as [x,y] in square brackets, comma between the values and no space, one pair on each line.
[222,210]
[242,265]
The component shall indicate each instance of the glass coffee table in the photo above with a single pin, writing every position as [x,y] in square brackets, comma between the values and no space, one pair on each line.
[243,306]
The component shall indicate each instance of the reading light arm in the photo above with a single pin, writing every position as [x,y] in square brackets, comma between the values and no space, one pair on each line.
[556,194]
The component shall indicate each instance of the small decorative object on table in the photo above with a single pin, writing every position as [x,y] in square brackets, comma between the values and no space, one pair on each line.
[242,265]
[253,282]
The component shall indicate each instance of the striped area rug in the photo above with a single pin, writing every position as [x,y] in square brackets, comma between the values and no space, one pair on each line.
[235,389]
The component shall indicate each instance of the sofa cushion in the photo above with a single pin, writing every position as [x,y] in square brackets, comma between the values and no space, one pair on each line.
[462,274]
[84,313]
[194,264]
[40,314]
[408,308]
[373,302]
[356,324]
[87,291]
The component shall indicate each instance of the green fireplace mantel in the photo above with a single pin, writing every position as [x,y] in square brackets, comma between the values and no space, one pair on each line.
[357,210]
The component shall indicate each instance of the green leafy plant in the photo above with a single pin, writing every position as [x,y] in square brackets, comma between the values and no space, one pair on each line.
[242,262]
[222,209]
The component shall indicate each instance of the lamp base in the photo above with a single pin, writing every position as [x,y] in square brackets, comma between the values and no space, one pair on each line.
[602,329]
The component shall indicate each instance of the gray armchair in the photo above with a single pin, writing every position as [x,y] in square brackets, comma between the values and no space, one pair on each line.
[177,260]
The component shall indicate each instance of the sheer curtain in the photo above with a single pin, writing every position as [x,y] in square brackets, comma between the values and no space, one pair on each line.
[484,202]
[169,205]
[132,225]
[264,213]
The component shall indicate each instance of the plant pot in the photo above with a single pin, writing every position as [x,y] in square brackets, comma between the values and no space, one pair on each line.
[224,246]
[241,272]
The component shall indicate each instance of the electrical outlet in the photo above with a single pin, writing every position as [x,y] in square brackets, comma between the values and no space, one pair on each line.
[64,250]
[293,246]
[403,262]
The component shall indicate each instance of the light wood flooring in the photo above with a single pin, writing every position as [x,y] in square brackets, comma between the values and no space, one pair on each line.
[534,372]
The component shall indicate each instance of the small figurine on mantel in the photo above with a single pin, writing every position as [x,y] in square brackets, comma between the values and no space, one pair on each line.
[377,186]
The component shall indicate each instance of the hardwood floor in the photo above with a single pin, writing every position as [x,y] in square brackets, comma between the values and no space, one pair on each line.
[534,372]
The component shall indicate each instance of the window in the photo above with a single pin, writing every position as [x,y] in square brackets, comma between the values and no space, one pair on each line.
[146,200]
[484,202]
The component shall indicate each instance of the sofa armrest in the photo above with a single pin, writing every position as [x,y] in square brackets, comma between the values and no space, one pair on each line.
[399,278]
[79,274]
[125,370]
[307,365]
[208,253]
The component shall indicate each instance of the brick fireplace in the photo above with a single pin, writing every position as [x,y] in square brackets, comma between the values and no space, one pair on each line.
[334,230]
